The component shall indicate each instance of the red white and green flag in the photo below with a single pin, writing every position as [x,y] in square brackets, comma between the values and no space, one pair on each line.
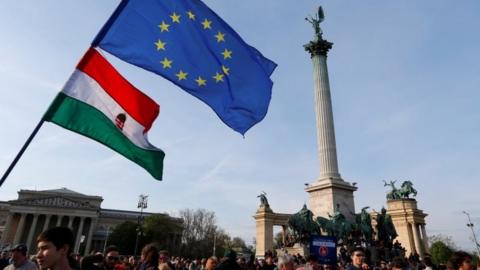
[99,103]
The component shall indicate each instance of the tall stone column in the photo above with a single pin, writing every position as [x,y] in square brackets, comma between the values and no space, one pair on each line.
[418,241]
[329,192]
[21,224]
[70,221]
[59,220]
[93,225]
[424,237]
[264,228]
[79,235]
[47,222]
[7,230]
[411,239]
[31,232]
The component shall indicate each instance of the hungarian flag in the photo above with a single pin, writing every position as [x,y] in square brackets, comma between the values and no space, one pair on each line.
[99,103]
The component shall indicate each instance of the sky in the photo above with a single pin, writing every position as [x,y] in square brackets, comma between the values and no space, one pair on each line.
[404,78]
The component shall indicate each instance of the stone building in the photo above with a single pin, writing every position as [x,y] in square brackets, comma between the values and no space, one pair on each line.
[23,219]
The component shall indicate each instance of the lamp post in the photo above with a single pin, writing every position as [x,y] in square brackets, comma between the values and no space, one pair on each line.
[470,225]
[214,242]
[142,204]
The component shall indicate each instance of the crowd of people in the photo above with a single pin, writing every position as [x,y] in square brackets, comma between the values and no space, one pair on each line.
[54,251]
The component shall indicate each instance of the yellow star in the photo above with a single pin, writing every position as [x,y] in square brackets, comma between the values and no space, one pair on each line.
[207,24]
[201,81]
[190,14]
[181,75]
[226,70]
[227,54]
[163,26]
[175,17]
[160,45]
[166,63]
[218,77]
[220,36]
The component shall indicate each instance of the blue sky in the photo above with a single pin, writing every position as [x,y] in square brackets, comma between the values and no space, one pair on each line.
[404,78]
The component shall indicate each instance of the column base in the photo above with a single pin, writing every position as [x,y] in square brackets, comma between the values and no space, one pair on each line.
[326,193]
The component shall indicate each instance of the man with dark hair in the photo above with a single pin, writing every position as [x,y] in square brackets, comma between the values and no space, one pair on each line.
[399,263]
[106,262]
[312,262]
[4,259]
[461,260]
[20,259]
[357,255]
[54,249]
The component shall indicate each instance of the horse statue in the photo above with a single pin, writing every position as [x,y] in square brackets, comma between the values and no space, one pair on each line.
[336,225]
[303,225]
[363,224]
[407,189]
[393,194]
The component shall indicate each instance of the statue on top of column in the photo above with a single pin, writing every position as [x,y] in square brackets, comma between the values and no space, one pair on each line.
[403,192]
[263,199]
[315,21]
[318,46]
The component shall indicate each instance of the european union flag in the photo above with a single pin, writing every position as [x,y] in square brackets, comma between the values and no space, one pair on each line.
[187,43]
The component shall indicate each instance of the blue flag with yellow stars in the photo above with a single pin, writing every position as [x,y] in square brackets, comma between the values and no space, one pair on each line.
[188,44]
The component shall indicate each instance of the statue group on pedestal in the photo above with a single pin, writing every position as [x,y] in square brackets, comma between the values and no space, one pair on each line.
[403,192]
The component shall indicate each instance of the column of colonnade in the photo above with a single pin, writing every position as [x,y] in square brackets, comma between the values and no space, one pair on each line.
[409,221]
[420,238]
[16,224]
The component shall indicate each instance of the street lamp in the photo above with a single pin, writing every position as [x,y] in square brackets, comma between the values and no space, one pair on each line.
[470,225]
[142,204]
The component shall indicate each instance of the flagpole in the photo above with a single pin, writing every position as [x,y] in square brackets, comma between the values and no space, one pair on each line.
[20,153]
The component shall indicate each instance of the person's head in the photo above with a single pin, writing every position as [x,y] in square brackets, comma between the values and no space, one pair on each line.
[312,260]
[357,255]
[230,254]
[163,256]
[54,248]
[383,265]
[285,262]
[112,257]
[19,254]
[4,255]
[211,263]
[150,254]
[399,263]
[428,261]
[461,260]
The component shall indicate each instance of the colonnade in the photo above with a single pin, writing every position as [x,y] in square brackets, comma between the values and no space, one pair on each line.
[25,228]
[418,238]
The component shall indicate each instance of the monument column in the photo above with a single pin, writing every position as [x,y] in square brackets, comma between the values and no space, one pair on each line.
[31,232]
[418,240]
[70,221]
[47,221]
[411,238]
[59,220]
[79,235]
[18,233]
[264,223]
[330,191]
[424,236]
[93,224]
[6,231]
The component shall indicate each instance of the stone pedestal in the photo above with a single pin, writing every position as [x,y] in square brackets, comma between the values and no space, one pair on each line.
[325,194]
[409,221]
[265,219]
